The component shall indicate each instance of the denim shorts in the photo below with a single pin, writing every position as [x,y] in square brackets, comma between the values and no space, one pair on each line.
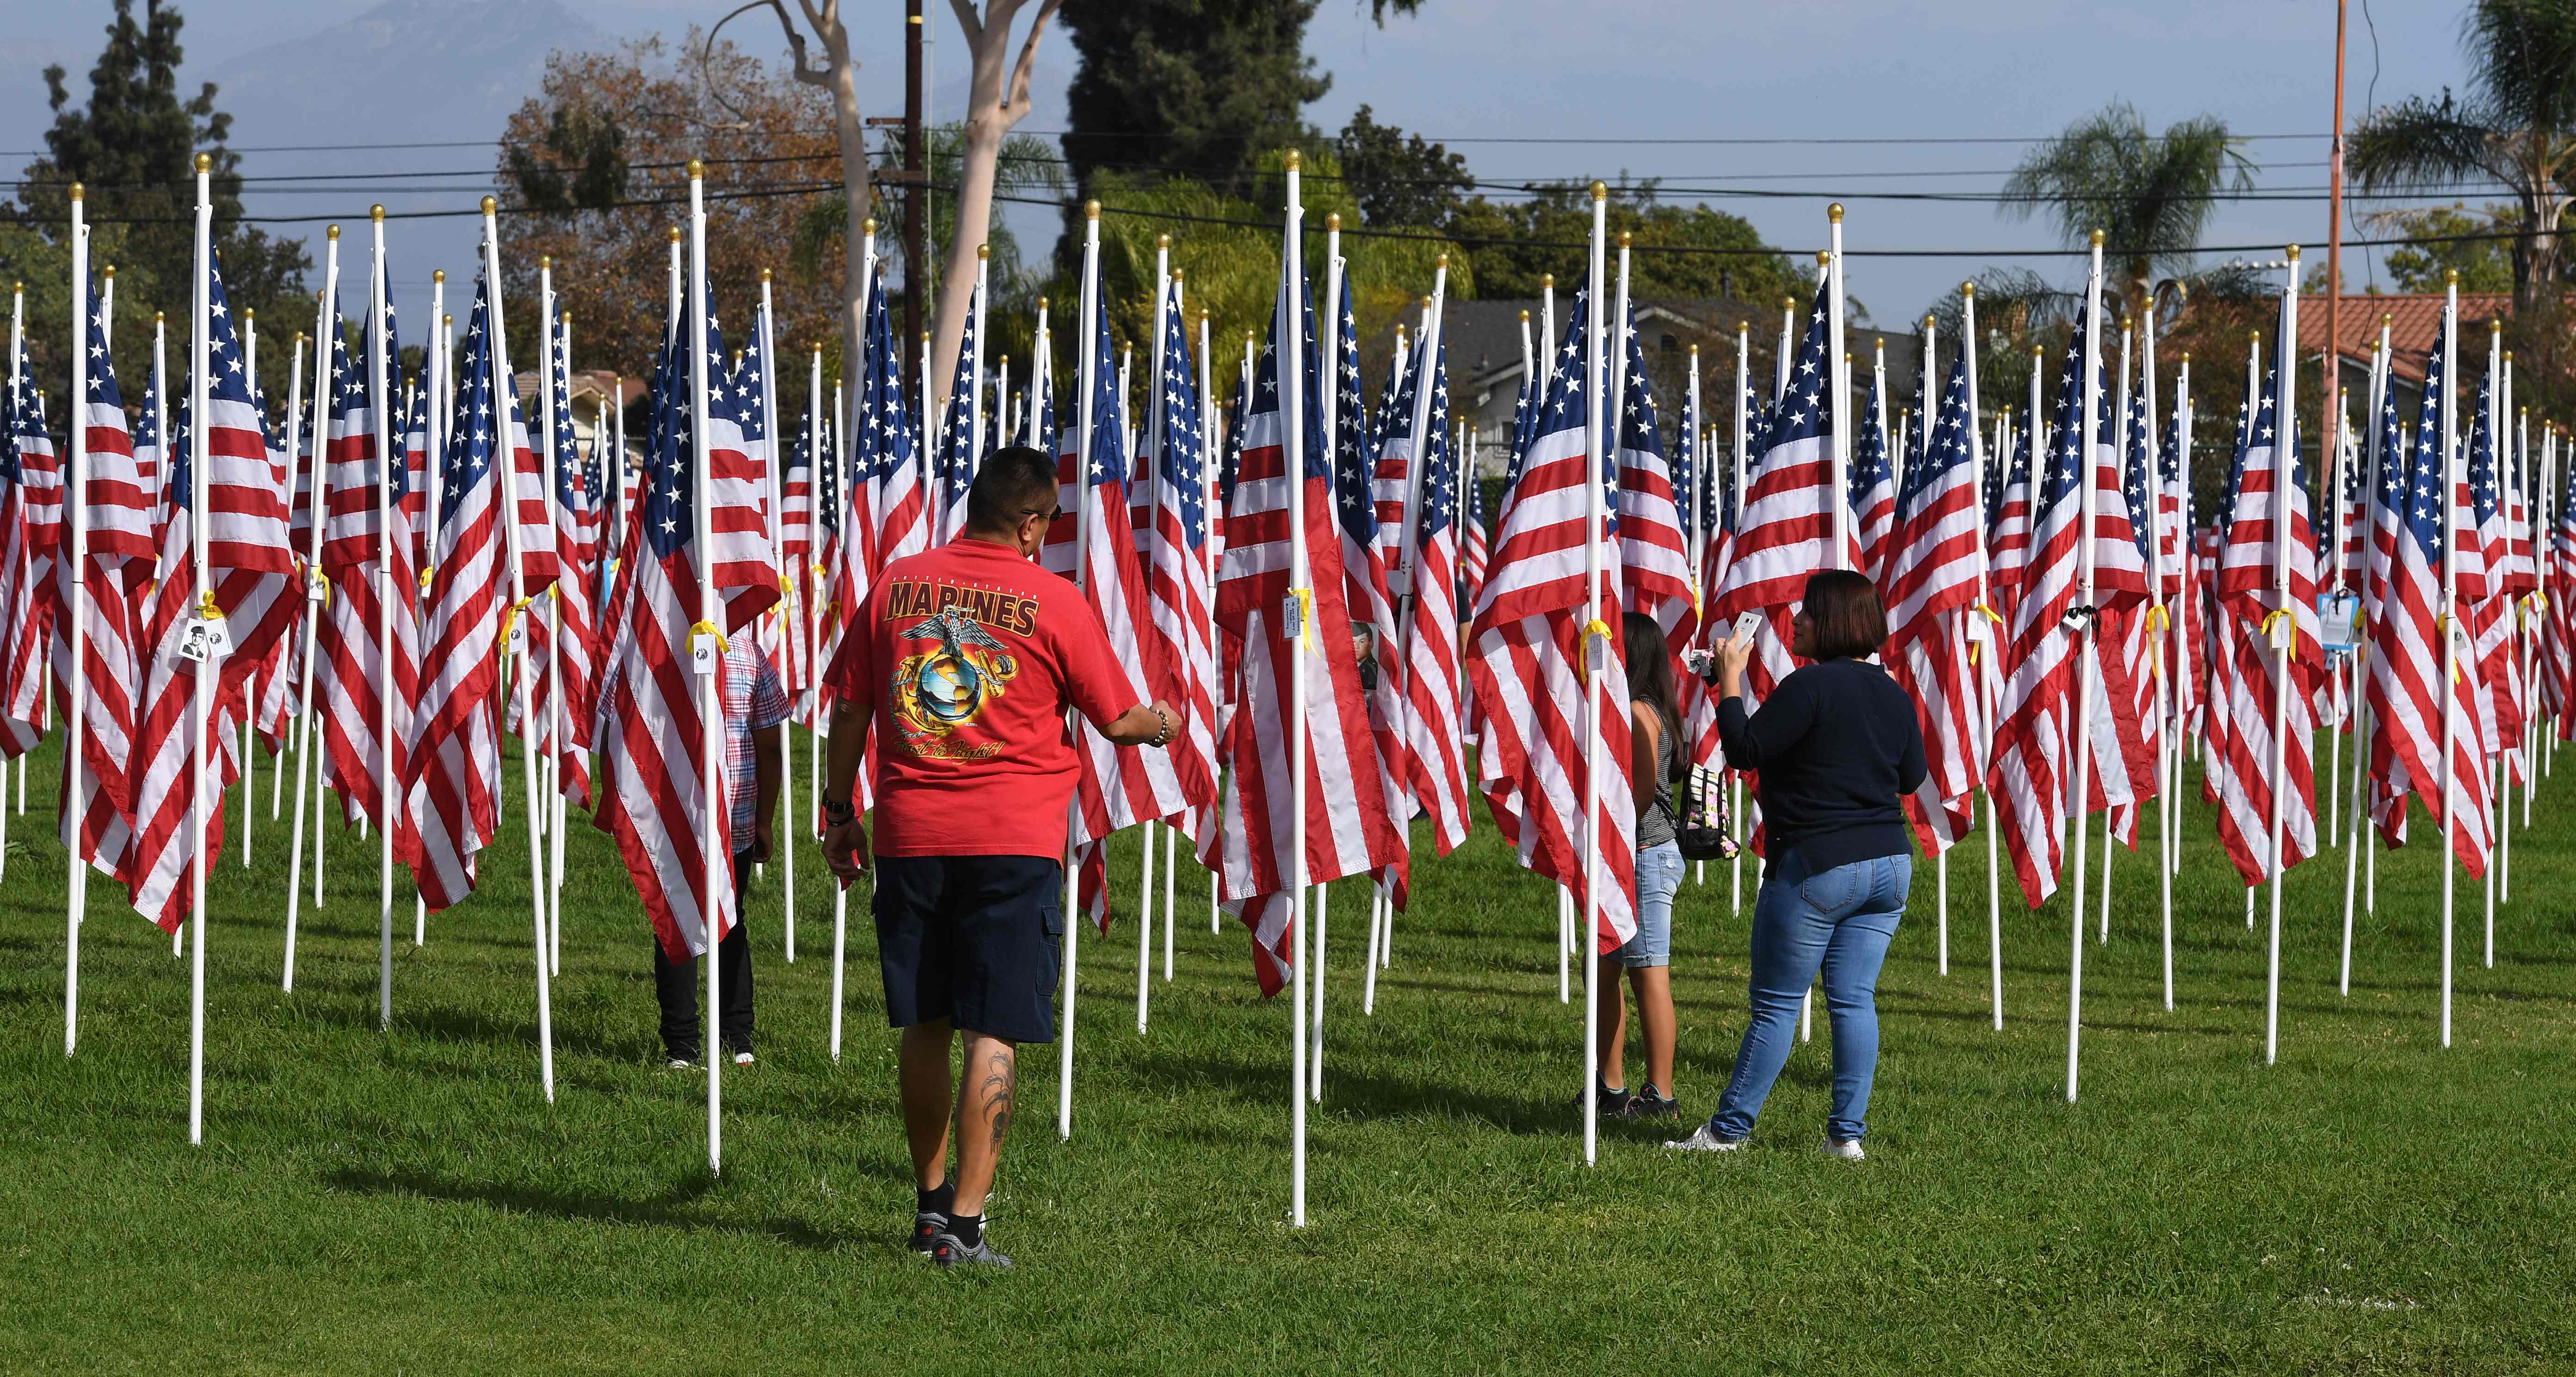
[1659,877]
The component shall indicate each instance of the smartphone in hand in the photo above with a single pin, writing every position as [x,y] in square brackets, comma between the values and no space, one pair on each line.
[1745,626]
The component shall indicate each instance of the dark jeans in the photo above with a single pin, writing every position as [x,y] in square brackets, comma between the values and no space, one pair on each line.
[675,984]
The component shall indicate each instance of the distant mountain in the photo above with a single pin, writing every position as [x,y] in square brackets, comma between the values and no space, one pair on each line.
[405,71]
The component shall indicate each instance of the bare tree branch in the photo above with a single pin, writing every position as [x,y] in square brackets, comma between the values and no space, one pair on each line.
[973,26]
[1015,106]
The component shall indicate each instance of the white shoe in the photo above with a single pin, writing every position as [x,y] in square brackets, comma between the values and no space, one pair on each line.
[1849,1152]
[1704,1139]
[742,1059]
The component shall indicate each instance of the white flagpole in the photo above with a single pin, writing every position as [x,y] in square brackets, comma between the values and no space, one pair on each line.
[2184,552]
[1595,650]
[706,642]
[388,788]
[2285,637]
[202,681]
[436,377]
[1301,600]
[548,803]
[306,769]
[1171,834]
[1743,438]
[2360,836]
[1142,471]
[2448,620]
[2168,746]
[1211,446]
[772,496]
[250,680]
[2498,783]
[849,484]
[2120,453]
[2338,436]
[498,361]
[557,805]
[76,505]
[1086,381]
[2080,738]
[1985,673]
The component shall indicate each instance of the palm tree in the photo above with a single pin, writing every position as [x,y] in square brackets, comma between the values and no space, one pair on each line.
[2150,194]
[2518,127]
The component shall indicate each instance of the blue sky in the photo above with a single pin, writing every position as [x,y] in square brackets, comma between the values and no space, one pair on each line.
[1622,72]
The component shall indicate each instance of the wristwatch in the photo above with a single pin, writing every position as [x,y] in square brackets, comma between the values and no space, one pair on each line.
[837,812]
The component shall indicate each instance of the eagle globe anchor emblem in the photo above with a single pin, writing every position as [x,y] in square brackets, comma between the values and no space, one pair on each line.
[943,689]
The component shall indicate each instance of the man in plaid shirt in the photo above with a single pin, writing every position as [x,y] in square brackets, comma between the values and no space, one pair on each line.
[755,707]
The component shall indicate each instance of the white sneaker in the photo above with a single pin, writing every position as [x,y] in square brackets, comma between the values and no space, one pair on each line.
[1849,1152]
[742,1059]
[1704,1139]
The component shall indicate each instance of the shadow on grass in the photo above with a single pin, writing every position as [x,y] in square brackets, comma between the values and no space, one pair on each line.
[670,1209]
[1352,1092]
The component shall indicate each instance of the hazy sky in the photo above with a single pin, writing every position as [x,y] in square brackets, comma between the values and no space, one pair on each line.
[1612,78]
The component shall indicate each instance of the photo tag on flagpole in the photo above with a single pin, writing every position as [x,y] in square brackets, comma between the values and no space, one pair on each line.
[2461,644]
[2339,621]
[2077,619]
[205,640]
[2283,629]
[316,588]
[703,653]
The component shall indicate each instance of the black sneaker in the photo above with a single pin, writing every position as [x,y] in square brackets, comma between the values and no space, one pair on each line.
[1651,1103]
[948,1251]
[1613,1102]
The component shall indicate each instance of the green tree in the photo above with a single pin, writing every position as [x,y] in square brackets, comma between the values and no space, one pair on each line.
[1399,179]
[134,145]
[2151,195]
[2517,127]
[1191,88]
[2438,249]
[1517,242]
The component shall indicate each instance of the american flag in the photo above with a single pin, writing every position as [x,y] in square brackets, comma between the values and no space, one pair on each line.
[1389,438]
[2029,775]
[2405,690]
[1359,492]
[1654,550]
[2181,582]
[249,573]
[1935,564]
[577,523]
[957,448]
[2267,544]
[1347,827]
[2489,615]
[1435,747]
[372,582]
[2558,624]
[456,752]
[1473,554]
[740,462]
[1871,485]
[1121,786]
[24,598]
[102,603]
[886,446]
[796,549]
[148,459]
[2008,522]
[652,764]
[1785,530]
[2132,629]
[42,468]
[1176,571]
[1528,663]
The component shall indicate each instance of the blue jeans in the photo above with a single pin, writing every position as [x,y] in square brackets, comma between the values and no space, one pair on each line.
[1659,877]
[1839,921]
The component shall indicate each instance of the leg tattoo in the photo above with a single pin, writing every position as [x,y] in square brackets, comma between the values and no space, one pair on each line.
[1001,1084]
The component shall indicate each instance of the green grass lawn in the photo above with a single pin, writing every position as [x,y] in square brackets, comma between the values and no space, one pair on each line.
[406,1200]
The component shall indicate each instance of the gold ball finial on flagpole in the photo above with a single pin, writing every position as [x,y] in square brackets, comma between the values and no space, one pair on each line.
[439,276]
[2038,351]
[1546,280]
[1834,212]
[1743,327]
[448,320]
[545,261]
[1824,258]
[1426,303]
[332,232]
[984,252]
[158,318]
[2496,326]
[1332,223]
[867,226]
[567,317]
[1967,289]
[1882,341]
[1927,321]
[1164,241]
[764,274]
[2124,320]
[1600,191]
[1626,239]
[1176,274]
[2097,239]
[1292,160]
[2294,253]
[1694,351]
[2385,319]
[1091,210]
[76,191]
[376,212]
[1042,303]
[490,205]
[2186,356]
[1524,317]
[205,163]
[697,169]
[1440,263]
[675,233]
[109,271]
[1247,339]
[299,337]
[2450,277]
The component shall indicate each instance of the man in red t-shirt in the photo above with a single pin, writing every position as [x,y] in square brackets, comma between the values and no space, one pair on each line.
[965,659]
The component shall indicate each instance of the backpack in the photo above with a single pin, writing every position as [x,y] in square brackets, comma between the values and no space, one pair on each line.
[1701,827]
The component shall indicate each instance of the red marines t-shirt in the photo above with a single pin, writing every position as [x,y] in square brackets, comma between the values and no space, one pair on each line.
[970,655]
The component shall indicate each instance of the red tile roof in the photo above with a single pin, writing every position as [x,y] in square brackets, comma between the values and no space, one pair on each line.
[2413,321]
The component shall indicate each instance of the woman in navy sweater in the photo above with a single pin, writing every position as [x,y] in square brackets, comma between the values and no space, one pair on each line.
[1833,749]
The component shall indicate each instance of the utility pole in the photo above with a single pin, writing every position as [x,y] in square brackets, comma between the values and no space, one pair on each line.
[2328,396]
[916,236]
